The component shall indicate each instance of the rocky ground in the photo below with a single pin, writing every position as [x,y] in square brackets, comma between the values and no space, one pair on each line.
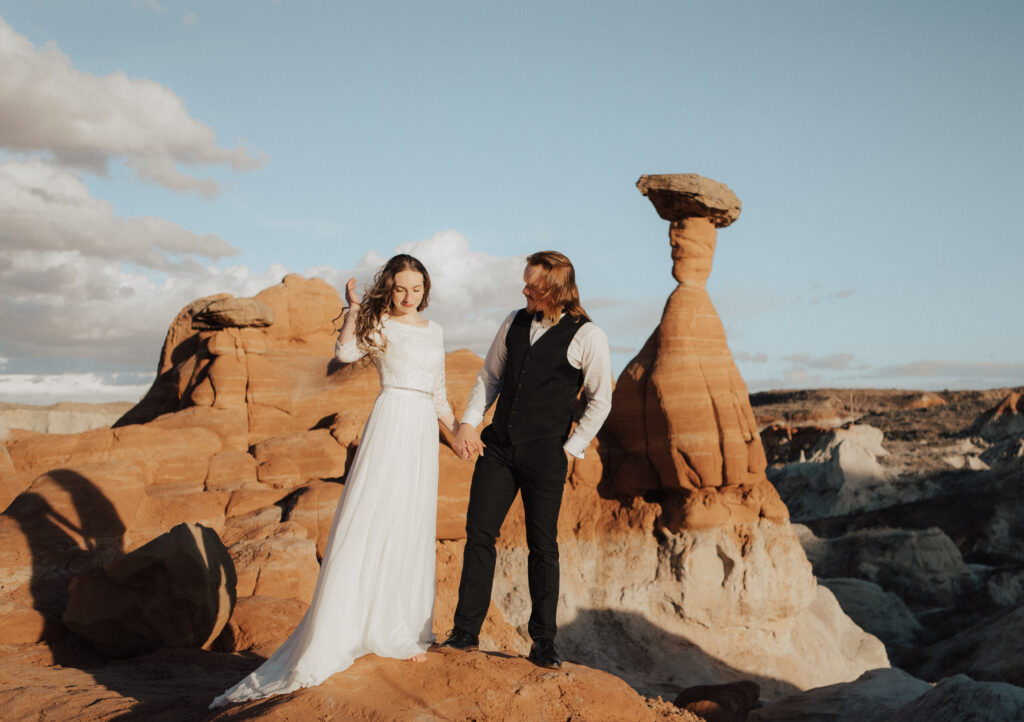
[913,512]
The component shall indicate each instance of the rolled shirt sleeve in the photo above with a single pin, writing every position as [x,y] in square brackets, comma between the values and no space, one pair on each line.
[490,379]
[589,352]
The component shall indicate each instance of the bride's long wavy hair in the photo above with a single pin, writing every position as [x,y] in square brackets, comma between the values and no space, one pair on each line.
[377,298]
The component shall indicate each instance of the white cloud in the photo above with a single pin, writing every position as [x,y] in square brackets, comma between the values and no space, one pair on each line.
[151,5]
[831,362]
[45,389]
[70,304]
[46,105]
[756,358]
[48,208]
[952,374]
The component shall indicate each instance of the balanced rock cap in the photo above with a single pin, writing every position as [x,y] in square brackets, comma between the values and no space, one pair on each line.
[233,313]
[687,195]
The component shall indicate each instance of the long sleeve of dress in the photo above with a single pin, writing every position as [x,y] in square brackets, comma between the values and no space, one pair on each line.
[348,352]
[441,404]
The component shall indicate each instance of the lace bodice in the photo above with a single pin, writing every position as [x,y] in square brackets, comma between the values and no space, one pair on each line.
[413,359]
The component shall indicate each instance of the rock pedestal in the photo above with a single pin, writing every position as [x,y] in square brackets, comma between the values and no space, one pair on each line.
[681,411]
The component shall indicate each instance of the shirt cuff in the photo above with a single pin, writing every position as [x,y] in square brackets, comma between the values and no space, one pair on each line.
[472,418]
[573,447]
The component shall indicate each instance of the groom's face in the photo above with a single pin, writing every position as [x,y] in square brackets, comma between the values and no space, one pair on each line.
[535,288]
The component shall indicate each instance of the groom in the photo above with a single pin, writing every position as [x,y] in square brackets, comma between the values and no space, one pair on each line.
[540,359]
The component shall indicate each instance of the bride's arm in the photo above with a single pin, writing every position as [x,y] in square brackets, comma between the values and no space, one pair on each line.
[346,348]
[441,405]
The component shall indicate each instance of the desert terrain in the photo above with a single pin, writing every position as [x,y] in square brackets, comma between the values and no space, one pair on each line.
[844,554]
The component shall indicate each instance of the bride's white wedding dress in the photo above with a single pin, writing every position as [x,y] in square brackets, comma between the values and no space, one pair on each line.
[375,592]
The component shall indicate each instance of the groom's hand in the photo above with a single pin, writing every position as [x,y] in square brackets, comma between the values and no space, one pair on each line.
[467,441]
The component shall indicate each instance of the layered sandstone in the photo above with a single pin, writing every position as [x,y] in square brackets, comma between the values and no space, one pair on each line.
[681,412]
[248,430]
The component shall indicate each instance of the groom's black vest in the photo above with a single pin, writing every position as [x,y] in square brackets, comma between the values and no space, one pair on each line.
[539,386]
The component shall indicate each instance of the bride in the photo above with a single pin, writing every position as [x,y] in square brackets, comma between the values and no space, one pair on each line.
[375,592]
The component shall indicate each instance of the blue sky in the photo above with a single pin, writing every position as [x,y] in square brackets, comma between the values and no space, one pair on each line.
[213,147]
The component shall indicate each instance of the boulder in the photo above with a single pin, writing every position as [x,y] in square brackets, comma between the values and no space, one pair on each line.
[1006,419]
[961,698]
[841,475]
[677,196]
[877,612]
[232,313]
[922,566]
[988,651]
[720,702]
[876,694]
[176,591]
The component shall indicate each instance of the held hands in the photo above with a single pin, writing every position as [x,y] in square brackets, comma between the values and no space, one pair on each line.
[467,442]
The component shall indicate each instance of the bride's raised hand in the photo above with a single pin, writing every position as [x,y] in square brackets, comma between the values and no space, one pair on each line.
[350,293]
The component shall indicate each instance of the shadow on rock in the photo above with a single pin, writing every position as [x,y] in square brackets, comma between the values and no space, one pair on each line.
[651,660]
[64,543]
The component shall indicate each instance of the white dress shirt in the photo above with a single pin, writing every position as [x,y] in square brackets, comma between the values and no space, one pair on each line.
[588,351]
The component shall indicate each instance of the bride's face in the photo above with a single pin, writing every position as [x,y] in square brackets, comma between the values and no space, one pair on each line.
[407,293]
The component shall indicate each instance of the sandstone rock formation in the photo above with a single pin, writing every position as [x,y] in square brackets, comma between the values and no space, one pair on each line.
[681,411]
[687,195]
[726,593]
[247,430]
[176,591]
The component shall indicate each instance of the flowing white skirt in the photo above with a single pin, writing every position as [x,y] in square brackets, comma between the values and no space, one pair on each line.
[375,592]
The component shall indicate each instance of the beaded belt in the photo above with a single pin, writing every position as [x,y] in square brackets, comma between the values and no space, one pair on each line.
[406,388]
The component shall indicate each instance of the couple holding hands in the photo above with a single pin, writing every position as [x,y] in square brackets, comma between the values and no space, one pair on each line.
[375,592]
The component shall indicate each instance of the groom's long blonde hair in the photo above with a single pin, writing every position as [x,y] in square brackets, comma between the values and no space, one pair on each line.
[561,294]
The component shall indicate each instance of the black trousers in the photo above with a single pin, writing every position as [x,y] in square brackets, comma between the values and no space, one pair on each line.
[537,471]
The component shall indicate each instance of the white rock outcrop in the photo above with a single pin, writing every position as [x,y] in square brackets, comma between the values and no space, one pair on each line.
[700,607]
[875,694]
[961,698]
[840,475]
[920,565]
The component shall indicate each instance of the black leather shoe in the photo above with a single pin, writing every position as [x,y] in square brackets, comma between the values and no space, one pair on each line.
[461,639]
[543,654]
